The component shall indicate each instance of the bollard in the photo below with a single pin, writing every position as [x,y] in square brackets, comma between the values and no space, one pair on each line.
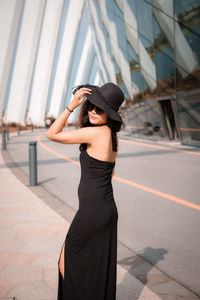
[7,131]
[32,127]
[3,146]
[32,163]
[18,129]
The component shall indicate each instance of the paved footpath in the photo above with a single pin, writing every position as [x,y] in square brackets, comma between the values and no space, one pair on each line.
[31,236]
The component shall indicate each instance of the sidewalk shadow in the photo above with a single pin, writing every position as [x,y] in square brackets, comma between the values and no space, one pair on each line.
[22,164]
[46,180]
[138,266]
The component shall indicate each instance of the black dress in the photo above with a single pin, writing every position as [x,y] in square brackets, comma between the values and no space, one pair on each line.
[90,256]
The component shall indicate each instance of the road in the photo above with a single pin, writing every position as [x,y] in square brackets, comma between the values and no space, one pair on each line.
[156,189]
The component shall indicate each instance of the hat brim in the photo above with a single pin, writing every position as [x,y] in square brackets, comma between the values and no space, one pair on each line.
[97,100]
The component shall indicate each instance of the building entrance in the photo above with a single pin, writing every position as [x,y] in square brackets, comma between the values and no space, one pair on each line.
[169,119]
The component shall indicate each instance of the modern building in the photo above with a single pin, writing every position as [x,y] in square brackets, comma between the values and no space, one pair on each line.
[150,48]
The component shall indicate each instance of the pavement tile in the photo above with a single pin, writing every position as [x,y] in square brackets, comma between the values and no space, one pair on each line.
[22,273]
[5,287]
[34,291]
[129,288]
[148,274]
[31,226]
[155,279]
[13,246]
[147,294]
[57,228]
[46,261]
[2,265]
[176,297]
[8,298]
[41,248]
[34,237]
[22,233]
[16,258]
[172,288]
[50,277]
[7,234]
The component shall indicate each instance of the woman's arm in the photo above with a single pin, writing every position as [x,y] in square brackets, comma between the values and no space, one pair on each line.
[59,123]
[77,136]
[82,135]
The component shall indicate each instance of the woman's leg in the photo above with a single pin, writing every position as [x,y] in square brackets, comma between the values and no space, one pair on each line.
[61,262]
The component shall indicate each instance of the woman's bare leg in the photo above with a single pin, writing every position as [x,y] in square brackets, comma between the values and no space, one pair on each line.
[61,263]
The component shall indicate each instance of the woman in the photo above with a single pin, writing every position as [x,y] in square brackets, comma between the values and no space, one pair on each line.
[88,259]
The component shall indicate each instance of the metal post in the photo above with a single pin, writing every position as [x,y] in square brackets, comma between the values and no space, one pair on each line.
[18,129]
[32,126]
[32,163]
[3,133]
[7,131]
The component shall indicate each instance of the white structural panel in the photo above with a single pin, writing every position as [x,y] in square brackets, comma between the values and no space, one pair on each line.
[100,62]
[8,31]
[44,62]
[66,53]
[86,60]
[84,67]
[97,80]
[101,38]
[95,40]
[24,61]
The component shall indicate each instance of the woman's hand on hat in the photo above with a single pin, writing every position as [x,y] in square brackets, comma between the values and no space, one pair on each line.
[79,96]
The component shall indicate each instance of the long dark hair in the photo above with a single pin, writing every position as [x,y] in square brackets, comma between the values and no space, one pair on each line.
[83,121]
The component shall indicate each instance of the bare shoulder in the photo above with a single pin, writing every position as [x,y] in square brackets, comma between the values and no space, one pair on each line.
[101,147]
[106,130]
[77,136]
[94,131]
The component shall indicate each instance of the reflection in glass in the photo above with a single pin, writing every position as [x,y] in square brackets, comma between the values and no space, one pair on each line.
[187,39]
[189,116]
[163,5]
[155,123]
[155,47]
[146,43]
[164,59]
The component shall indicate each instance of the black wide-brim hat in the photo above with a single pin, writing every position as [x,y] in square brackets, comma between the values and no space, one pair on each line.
[108,97]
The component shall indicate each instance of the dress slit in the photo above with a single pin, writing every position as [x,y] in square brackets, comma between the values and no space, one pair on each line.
[60,277]
[62,252]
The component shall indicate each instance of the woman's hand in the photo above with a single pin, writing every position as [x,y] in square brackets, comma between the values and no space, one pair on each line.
[79,97]
[54,131]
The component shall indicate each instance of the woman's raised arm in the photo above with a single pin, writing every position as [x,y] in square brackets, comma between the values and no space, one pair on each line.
[82,135]
[77,136]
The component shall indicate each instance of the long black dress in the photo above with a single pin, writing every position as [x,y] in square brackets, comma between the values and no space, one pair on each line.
[90,256]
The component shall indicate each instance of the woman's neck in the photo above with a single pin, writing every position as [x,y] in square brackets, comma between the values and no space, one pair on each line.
[98,124]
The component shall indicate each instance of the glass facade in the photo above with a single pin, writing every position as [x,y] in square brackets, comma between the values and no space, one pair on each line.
[154,46]
[150,48]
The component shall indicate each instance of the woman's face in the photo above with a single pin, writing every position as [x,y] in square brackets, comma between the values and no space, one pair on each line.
[97,119]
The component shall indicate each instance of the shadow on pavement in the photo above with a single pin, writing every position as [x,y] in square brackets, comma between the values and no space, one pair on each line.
[39,163]
[46,180]
[139,267]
